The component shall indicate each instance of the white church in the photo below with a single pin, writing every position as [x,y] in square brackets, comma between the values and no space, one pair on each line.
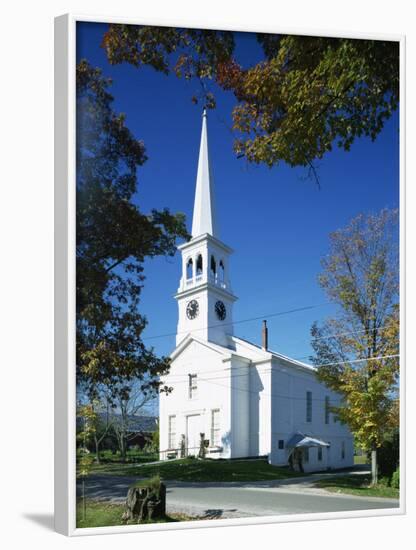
[241,399]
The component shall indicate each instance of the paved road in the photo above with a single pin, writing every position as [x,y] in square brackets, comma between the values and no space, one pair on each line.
[242,502]
[216,500]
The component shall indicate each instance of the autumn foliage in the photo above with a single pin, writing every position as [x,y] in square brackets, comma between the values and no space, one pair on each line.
[304,96]
[357,350]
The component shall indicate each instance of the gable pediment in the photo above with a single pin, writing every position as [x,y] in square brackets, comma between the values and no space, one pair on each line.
[191,344]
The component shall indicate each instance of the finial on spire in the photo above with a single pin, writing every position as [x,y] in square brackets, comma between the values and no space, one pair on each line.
[204,208]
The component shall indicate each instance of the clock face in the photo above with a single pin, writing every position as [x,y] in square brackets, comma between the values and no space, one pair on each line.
[220,310]
[192,309]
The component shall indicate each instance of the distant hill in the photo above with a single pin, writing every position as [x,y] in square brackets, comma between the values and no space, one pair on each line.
[136,424]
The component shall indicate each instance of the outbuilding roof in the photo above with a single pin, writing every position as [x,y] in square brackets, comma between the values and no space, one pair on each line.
[302,440]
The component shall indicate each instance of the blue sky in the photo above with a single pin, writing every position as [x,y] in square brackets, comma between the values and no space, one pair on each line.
[276,220]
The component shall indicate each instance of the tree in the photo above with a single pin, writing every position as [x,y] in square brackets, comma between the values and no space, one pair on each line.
[129,402]
[188,53]
[357,350]
[86,417]
[305,95]
[113,238]
[155,443]
[100,422]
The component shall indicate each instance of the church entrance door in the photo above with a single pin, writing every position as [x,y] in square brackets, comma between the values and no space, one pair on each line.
[193,430]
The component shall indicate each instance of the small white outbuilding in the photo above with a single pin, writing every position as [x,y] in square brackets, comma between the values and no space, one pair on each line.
[241,399]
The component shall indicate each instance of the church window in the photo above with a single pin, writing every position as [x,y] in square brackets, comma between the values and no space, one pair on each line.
[342,450]
[221,271]
[306,454]
[189,269]
[281,444]
[172,432]
[193,386]
[326,410]
[308,406]
[319,453]
[215,428]
[199,264]
[213,266]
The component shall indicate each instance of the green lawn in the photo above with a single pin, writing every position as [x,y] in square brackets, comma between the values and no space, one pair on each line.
[360,459]
[104,514]
[191,469]
[357,485]
[117,468]
[134,456]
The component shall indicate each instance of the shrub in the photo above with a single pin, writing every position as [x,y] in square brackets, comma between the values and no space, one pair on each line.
[155,439]
[388,455]
[150,448]
[152,482]
[395,479]
[384,481]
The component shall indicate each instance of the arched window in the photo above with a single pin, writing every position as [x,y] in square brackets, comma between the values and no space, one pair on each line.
[213,266]
[199,264]
[222,271]
[189,269]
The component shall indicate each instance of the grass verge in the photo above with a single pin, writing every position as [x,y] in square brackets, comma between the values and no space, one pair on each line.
[105,514]
[361,459]
[191,469]
[357,485]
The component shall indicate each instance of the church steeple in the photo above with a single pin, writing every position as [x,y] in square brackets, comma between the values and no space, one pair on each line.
[204,218]
[205,298]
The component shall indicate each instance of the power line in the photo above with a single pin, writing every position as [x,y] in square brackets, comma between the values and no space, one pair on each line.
[281,396]
[348,333]
[338,334]
[358,360]
[307,356]
[312,368]
[185,376]
[268,316]
[210,381]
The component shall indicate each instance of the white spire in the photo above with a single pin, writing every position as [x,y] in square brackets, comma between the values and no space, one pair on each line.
[204,220]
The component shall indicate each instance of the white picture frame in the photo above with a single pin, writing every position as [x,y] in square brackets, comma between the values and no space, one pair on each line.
[65,386]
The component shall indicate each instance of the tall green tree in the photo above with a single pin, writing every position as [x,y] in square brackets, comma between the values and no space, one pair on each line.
[302,97]
[356,351]
[113,238]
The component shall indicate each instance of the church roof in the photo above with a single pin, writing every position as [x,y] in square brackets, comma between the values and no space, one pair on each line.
[257,353]
[204,218]
[242,348]
[247,349]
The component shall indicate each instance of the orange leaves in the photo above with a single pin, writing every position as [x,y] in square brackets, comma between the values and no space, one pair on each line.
[229,75]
